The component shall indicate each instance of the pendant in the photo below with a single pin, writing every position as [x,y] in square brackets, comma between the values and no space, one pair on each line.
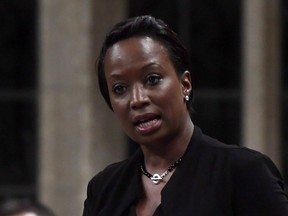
[156,178]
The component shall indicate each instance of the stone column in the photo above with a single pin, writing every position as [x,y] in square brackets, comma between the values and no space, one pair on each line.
[77,134]
[261,76]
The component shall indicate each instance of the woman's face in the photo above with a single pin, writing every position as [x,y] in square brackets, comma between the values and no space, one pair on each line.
[146,94]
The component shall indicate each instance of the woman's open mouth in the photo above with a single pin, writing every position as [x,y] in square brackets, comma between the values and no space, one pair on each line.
[147,123]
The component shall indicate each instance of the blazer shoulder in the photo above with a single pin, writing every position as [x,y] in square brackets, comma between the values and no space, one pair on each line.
[237,151]
[239,156]
[110,183]
[115,170]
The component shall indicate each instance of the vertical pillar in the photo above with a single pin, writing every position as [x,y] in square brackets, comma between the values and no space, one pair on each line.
[261,76]
[76,135]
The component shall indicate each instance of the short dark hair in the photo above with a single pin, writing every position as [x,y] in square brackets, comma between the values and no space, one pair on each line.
[17,206]
[150,27]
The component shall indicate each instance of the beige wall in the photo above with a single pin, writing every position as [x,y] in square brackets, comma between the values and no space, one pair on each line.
[78,136]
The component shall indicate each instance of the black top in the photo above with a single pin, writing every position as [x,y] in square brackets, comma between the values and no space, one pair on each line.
[213,179]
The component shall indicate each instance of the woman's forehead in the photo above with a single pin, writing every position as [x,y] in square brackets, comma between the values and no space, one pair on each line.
[134,48]
[143,42]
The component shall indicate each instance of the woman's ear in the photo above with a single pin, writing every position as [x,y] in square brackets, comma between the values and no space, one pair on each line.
[186,83]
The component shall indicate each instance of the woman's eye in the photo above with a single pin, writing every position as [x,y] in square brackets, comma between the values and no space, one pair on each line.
[153,80]
[119,89]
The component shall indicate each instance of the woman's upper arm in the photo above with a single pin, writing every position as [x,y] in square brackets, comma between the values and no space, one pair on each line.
[259,188]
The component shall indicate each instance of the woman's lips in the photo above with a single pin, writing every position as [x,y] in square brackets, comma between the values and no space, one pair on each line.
[147,123]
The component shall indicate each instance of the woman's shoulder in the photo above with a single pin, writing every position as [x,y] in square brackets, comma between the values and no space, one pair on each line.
[240,158]
[257,182]
[115,170]
[238,152]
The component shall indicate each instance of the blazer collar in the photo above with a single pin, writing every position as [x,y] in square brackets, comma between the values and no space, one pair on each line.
[178,183]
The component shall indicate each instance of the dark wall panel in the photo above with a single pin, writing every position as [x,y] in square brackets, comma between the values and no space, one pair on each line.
[18,98]
[285,86]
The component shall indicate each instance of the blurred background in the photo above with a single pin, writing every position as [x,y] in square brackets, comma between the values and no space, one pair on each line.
[56,131]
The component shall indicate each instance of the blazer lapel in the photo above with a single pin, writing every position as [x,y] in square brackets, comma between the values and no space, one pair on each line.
[174,194]
[128,188]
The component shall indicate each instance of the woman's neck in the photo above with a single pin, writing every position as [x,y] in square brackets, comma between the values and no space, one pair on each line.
[158,158]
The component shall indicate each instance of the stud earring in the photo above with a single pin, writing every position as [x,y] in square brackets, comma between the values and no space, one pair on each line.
[187,98]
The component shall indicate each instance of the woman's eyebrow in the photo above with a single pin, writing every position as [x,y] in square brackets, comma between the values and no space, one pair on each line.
[114,76]
[153,65]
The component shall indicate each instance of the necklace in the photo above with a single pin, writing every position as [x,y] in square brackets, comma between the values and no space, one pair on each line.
[156,178]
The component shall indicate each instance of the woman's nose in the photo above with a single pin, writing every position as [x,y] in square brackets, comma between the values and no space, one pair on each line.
[139,97]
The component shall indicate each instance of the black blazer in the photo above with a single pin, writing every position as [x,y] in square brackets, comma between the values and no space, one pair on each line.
[213,179]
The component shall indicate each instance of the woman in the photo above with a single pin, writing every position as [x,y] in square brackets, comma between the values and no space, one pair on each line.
[143,72]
